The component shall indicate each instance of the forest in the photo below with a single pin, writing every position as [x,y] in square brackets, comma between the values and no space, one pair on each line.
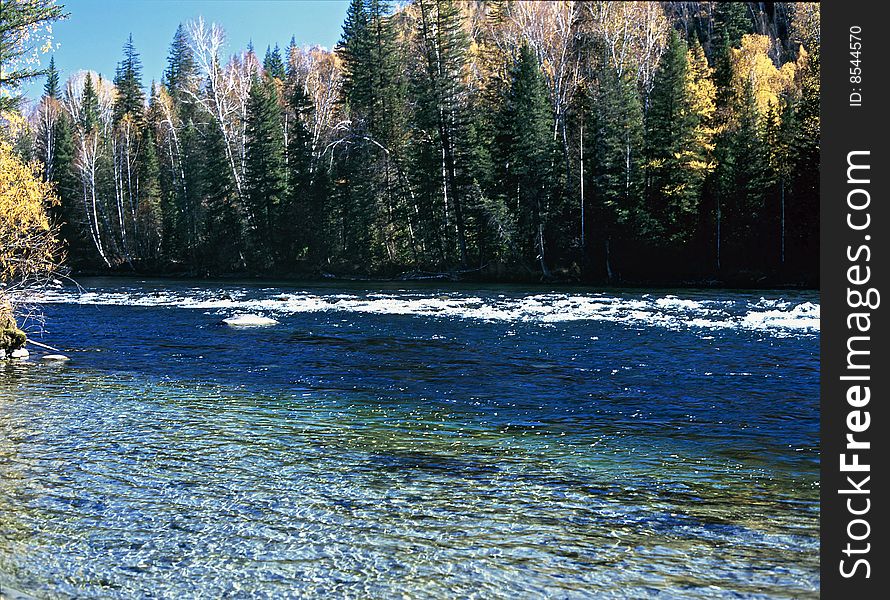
[601,142]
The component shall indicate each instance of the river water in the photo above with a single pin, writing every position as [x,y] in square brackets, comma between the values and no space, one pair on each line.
[413,441]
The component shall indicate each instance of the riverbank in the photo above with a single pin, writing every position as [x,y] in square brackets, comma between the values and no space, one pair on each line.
[739,281]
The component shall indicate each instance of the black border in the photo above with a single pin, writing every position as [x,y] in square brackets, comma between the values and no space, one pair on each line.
[844,129]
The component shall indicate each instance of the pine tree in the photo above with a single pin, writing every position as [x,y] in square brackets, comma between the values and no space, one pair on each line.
[149,216]
[264,171]
[273,64]
[678,143]
[372,96]
[66,213]
[441,98]
[189,209]
[731,22]
[802,214]
[615,162]
[89,118]
[51,87]
[531,154]
[290,58]
[354,50]
[223,222]
[744,186]
[181,67]
[299,210]
[128,80]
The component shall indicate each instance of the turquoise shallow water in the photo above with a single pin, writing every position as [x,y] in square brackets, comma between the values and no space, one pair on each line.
[425,442]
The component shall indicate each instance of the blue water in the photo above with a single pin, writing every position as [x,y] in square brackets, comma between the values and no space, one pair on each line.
[413,442]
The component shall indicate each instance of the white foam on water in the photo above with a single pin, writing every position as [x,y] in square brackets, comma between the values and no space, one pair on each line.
[779,317]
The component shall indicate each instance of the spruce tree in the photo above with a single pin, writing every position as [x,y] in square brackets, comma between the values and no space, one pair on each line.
[531,154]
[51,87]
[264,172]
[150,217]
[354,49]
[223,240]
[677,144]
[802,214]
[128,80]
[441,112]
[89,117]
[299,210]
[273,65]
[181,67]
[67,186]
[731,22]
[615,163]
[744,184]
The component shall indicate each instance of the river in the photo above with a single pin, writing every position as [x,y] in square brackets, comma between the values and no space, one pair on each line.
[397,440]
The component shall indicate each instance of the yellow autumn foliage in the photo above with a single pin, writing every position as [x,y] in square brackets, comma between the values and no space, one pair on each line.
[28,245]
[752,65]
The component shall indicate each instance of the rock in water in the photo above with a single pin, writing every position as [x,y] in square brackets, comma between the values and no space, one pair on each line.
[20,353]
[55,357]
[249,321]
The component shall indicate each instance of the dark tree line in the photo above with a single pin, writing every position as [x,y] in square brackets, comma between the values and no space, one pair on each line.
[614,142]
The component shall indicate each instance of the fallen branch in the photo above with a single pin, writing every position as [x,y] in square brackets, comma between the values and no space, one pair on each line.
[44,346]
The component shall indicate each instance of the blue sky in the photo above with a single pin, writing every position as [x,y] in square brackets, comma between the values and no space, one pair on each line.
[94,35]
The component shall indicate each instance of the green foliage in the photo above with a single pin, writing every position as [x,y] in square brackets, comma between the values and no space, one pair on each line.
[300,208]
[273,65]
[149,219]
[66,184]
[130,98]
[224,235]
[181,66]
[89,120]
[677,147]
[520,139]
[264,172]
[23,30]
[530,154]
[51,87]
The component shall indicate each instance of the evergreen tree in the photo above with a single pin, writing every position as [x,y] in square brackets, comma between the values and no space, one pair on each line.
[300,209]
[677,144]
[66,213]
[128,80]
[264,171]
[531,154]
[89,118]
[372,96]
[744,185]
[802,214]
[354,50]
[731,22]
[615,163]
[290,60]
[181,67]
[149,216]
[272,63]
[51,87]
[189,209]
[223,222]
[441,97]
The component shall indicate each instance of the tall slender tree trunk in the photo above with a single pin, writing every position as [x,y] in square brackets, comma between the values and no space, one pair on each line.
[782,220]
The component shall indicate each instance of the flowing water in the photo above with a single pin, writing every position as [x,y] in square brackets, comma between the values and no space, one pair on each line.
[413,442]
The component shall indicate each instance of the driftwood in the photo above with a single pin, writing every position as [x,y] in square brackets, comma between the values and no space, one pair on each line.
[44,346]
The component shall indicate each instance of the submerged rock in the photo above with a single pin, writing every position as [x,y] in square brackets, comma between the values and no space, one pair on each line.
[54,357]
[249,321]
